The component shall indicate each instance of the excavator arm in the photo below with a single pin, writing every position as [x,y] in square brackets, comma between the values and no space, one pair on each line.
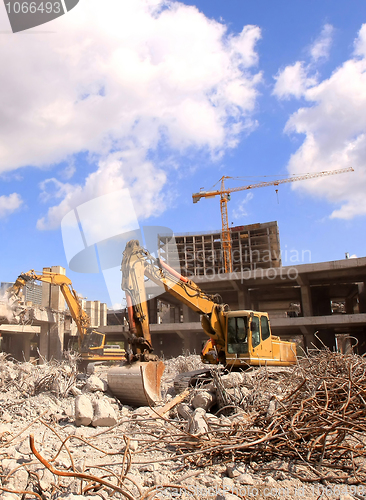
[137,263]
[137,382]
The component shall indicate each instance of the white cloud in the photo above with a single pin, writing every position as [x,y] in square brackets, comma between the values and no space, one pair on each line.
[117,171]
[293,81]
[9,204]
[334,126]
[241,210]
[125,76]
[321,47]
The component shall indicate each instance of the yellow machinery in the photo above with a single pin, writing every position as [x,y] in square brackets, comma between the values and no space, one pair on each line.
[238,339]
[91,343]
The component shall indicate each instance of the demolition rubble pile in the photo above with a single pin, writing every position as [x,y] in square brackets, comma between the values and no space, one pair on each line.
[269,433]
[10,309]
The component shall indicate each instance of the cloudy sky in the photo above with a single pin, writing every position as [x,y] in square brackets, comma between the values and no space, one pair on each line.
[160,98]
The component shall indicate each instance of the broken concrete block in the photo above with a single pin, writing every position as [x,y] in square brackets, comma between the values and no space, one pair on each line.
[245,479]
[104,414]
[133,445]
[75,391]
[83,410]
[94,384]
[204,399]
[233,379]
[23,448]
[184,411]
[47,480]
[232,471]
[197,425]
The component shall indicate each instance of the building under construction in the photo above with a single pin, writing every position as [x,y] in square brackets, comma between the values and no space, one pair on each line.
[254,246]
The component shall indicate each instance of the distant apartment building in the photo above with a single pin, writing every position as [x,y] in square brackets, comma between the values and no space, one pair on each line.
[97,312]
[254,246]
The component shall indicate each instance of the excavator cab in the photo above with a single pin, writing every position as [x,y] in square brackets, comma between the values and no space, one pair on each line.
[92,341]
[249,342]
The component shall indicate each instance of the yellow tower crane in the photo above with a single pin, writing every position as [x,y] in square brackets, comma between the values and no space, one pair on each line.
[224,194]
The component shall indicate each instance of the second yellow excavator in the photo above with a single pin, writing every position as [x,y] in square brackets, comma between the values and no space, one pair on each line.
[237,339]
[92,347]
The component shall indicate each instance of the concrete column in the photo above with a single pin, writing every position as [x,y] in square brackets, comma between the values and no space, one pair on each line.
[26,346]
[243,299]
[51,294]
[186,341]
[43,343]
[56,334]
[362,297]
[189,316]
[309,337]
[152,305]
[254,304]
[306,305]
[103,314]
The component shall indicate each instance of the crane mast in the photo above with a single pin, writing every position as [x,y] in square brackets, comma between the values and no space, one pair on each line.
[224,194]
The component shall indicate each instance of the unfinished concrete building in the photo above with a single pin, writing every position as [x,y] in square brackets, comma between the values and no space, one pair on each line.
[255,246]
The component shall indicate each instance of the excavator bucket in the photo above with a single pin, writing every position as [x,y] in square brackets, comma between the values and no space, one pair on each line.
[137,384]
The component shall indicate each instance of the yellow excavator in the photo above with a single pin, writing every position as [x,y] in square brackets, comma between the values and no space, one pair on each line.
[92,345]
[237,339]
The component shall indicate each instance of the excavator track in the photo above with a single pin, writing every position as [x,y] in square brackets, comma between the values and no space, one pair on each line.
[191,379]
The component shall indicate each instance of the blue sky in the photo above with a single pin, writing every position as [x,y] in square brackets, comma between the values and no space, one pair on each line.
[163,98]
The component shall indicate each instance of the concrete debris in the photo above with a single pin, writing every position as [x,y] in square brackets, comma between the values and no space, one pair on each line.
[104,414]
[197,424]
[94,384]
[203,399]
[232,379]
[184,411]
[83,410]
[227,454]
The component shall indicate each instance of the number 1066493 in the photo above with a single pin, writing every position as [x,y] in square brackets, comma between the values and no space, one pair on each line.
[33,7]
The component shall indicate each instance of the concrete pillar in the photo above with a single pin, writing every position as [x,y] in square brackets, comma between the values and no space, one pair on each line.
[152,305]
[103,314]
[51,294]
[310,341]
[174,314]
[186,337]
[56,336]
[306,305]
[243,299]
[26,346]
[43,343]
[362,297]
[254,304]
[189,316]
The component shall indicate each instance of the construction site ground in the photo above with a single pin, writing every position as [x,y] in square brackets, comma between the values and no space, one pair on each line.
[293,433]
